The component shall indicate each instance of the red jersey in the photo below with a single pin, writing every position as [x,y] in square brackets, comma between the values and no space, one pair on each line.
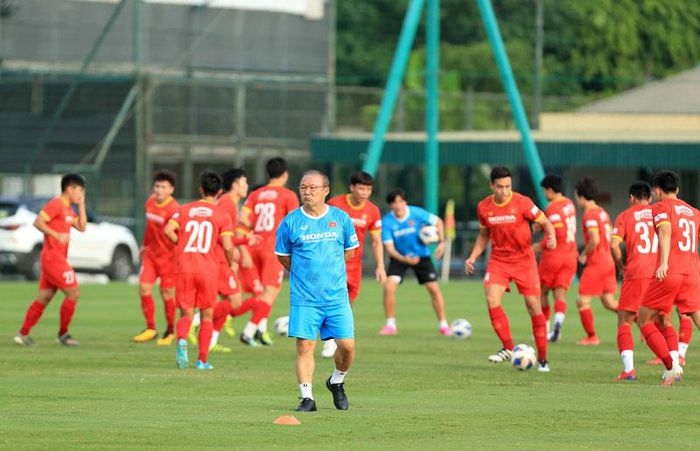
[635,227]
[201,224]
[60,217]
[267,206]
[562,214]
[597,219]
[684,220]
[156,244]
[366,218]
[509,226]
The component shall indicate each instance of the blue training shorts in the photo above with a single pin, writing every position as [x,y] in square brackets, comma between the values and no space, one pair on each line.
[333,321]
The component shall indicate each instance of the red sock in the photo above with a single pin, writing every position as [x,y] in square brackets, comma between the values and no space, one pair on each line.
[221,310]
[587,321]
[245,306]
[657,344]
[539,331]
[169,305]
[67,310]
[685,330]
[560,306]
[625,342]
[149,308]
[262,310]
[183,327]
[499,321]
[671,337]
[34,312]
[546,311]
[205,328]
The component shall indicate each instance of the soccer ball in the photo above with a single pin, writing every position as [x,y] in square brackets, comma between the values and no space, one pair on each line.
[429,234]
[523,357]
[461,328]
[282,325]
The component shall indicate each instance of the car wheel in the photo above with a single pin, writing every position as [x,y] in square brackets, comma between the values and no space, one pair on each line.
[32,271]
[122,265]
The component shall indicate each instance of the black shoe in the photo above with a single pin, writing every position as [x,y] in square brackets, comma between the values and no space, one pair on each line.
[264,338]
[340,399]
[307,405]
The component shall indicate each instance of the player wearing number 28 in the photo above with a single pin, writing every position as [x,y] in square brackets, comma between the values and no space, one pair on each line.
[598,277]
[676,278]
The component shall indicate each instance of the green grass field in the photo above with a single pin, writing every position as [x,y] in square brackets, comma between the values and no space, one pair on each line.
[416,390]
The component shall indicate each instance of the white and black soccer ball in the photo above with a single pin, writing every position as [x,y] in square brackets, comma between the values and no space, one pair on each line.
[461,328]
[523,357]
[429,234]
[282,326]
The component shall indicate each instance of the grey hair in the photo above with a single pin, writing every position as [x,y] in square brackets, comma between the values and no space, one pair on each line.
[326,182]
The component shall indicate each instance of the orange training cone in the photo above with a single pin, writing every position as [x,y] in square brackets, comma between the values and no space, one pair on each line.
[287,419]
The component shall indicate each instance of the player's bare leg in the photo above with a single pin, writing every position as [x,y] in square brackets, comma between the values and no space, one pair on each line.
[344,357]
[392,282]
[305,366]
[438,306]
[609,301]
[584,310]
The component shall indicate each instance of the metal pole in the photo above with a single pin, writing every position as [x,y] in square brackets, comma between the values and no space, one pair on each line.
[539,44]
[516,104]
[393,84]
[53,121]
[432,106]
[330,122]
[140,154]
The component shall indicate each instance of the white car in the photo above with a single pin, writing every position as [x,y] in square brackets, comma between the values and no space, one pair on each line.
[102,248]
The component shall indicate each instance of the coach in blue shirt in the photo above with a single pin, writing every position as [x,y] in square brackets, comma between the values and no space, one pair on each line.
[313,243]
[400,235]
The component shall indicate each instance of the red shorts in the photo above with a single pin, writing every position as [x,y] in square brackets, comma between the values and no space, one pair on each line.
[57,274]
[249,280]
[523,273]
[557,271]
[631,294]
[228,281]
[269,268]
[154,268]
[195,291]
[597,280]
[354,272]
[680,289]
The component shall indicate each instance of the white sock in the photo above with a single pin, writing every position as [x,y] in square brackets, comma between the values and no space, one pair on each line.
[548,328]
[250,329]
[443,323]
[682,348]
[262,325]
[338,377]
[195,320]
[627,360]
[305,390]
[674,357]
[214,339]
[391,322]
[559,318]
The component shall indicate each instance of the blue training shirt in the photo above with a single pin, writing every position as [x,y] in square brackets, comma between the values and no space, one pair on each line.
[317,248]
[404,232]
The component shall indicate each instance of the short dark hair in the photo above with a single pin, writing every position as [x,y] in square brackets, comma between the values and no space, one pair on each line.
[276,167]
[587,188]
[210,182]
[555,182]
[500,172]
[640,190]
[391,197]
[163,175]
[667,181]
[230,176]
[72,180]
[361,178]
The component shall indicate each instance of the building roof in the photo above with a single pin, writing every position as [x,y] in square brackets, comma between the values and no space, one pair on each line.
[678,94]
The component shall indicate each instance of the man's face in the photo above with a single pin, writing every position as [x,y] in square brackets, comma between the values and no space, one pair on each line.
[162,189]
[313,191]
[502,189]
[75,193]
[240,186]
[360,192]
[398,207]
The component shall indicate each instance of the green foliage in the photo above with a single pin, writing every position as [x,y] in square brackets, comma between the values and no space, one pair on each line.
[416,390]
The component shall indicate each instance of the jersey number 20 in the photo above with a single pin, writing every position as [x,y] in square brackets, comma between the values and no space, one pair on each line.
[199,240]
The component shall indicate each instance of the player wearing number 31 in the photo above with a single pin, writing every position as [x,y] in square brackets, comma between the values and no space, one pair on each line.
[196,228]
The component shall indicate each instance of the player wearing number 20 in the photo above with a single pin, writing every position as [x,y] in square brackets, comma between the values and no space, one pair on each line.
[635,228]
